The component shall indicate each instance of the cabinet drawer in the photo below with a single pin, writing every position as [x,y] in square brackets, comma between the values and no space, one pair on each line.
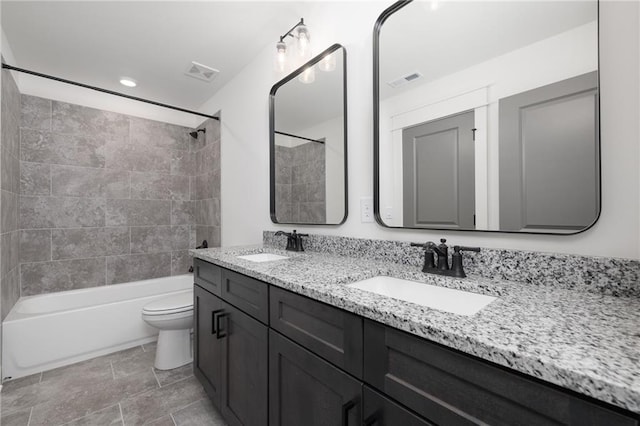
[452,388]
[207,275]
[246,294]
[332,333]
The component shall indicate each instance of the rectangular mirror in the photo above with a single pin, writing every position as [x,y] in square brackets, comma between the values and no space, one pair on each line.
[308,142]
[486,116]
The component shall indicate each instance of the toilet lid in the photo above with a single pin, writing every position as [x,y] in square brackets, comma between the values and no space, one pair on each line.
[176,303]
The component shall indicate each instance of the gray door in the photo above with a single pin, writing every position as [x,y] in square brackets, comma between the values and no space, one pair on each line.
[439,173]
[549,157]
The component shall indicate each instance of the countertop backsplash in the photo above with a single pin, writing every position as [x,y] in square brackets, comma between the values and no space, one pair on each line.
[601,275]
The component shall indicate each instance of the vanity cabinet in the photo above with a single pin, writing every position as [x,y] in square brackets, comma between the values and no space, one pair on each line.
[452,388]
[306,390]
[231,350]
[269,356]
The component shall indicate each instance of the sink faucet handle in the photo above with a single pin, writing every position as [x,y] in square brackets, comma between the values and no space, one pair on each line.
[429,262]
[456,260]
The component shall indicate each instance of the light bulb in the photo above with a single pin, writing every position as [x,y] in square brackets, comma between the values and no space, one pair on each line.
[308,76]
[129,82]
[328,63]
[303,41]
[280,62]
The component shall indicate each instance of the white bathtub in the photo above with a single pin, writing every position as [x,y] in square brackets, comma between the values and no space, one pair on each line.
[52,330]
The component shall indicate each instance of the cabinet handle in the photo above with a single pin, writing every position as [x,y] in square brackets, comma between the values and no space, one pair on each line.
[346,407]
[220,331]
[371,420]
[214,328]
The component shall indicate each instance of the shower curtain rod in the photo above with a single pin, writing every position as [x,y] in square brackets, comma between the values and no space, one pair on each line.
[110,92]
[299,137]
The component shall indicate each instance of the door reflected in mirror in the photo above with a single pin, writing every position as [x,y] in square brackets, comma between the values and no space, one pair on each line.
[487,116]
[308,142]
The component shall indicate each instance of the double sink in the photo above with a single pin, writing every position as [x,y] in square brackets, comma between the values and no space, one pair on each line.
[458,302]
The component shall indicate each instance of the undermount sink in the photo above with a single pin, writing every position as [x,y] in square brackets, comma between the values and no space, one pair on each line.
[444,299]
[262,257]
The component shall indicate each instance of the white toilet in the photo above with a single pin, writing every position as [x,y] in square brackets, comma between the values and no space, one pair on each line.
[173,316]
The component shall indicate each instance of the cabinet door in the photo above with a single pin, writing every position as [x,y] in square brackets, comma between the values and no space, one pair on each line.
[306,390]
[381,411]
[244,353]
[451,388]
[206,361]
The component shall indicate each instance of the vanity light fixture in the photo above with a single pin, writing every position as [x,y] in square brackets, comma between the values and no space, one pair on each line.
[127,81]
[300,32]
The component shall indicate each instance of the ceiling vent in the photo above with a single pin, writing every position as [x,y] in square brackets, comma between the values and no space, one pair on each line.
[405,79]
[201,72]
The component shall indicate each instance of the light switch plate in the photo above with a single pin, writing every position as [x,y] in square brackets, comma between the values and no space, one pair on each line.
[366,209]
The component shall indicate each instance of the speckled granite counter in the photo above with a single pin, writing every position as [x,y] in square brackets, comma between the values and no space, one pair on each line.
[586,342]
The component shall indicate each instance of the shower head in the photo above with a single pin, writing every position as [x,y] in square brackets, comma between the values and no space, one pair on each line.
[194,134]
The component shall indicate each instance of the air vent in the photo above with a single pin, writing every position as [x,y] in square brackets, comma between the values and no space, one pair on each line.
[405,79]
[201,72]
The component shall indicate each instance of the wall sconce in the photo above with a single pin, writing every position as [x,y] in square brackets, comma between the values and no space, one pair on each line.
[300,32]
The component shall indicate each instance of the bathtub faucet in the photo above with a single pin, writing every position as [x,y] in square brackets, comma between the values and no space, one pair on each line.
[204,244]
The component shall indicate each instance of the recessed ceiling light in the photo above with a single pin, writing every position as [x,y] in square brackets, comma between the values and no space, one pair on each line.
[129,82]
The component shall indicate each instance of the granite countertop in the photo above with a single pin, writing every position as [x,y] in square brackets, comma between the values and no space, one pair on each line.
[586,342]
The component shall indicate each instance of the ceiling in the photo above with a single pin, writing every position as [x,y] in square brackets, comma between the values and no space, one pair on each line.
[97,42]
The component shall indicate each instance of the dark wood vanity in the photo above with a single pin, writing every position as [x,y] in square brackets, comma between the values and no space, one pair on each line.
[266,355]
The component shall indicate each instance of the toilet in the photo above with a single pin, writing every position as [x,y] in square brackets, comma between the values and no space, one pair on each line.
[173,316]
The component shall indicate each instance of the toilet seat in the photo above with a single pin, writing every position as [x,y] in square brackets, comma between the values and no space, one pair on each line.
[175,304]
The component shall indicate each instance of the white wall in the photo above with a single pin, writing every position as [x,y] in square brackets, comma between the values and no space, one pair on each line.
[245,167]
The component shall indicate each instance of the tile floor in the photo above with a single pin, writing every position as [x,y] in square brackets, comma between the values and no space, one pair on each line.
[122,388]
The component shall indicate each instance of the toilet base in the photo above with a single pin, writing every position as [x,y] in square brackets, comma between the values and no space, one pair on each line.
[174,349]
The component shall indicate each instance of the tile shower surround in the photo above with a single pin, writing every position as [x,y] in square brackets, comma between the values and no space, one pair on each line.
[301,183]
[107,198]
[600,275]
[9,193]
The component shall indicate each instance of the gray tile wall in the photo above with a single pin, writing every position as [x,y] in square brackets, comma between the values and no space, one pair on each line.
[300,183]
[206,191]
[9,190]
[107,198]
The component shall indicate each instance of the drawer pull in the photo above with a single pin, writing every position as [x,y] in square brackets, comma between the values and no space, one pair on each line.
[214,328]
[346,407]
[371,420]
[221,334]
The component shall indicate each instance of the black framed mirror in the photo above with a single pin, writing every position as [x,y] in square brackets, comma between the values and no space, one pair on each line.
[308,142]
[486,116]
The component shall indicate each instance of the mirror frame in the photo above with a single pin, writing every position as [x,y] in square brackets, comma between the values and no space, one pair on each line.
[272,141]
[376,134]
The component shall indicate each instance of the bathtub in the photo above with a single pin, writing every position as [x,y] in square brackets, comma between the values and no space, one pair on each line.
[52,330]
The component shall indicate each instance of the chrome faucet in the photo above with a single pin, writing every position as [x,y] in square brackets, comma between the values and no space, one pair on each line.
[294,240]
[442,250]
